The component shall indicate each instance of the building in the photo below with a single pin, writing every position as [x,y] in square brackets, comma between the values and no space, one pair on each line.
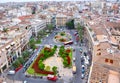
[61,20]
[12,43]
[37,25]
[104,48]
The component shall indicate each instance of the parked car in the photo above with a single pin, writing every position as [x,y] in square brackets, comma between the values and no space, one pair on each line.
[86,61]
[75,33]
[51,77]
[25,81]
[85,54]
[82,76]
[74,59]
[74,69]
[75,43]
[11,72]
[81,50]
[83,69]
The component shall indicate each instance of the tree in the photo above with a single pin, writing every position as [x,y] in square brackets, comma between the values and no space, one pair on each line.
[50,27]
[25,54]
[55,46]
[16,64]
[41,65]
[65,62]
[21,60]
[5,30]
[80,31]
[32,44]
[54,69]
[70,24]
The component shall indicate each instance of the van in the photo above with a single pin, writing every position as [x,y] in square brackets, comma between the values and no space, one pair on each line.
[74,69]
[11,72]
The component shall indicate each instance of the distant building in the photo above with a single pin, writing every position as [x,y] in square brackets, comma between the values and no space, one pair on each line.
[61,20]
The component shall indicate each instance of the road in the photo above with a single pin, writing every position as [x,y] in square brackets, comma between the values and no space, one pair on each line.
[49,40]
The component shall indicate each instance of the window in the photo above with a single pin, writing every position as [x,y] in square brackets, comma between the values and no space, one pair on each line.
[98,54]
[98,49]
[111,61]
[106,60]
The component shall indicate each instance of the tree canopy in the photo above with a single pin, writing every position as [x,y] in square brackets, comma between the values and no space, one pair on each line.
[70,24]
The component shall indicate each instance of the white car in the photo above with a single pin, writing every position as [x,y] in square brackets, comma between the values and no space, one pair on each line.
[86,62]
[74,59]
[83,66]
[24,81]
[11,72]
[82,76]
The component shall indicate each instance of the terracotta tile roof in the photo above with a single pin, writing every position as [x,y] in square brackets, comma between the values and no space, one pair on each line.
[113,24]
[25,22]
[25,17]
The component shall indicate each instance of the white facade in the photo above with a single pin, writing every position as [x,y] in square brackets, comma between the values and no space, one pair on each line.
[38,25]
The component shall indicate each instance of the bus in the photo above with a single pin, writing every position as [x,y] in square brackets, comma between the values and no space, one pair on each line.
[68,43]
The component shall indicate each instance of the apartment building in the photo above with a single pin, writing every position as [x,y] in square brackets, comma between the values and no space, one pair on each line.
[104,48]
[115,31]
[61,20]
[37,25]
[11,45]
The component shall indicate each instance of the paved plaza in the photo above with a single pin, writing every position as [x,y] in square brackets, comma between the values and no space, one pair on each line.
[65,73]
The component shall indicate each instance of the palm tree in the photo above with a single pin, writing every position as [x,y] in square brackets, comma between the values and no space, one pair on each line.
[5,30]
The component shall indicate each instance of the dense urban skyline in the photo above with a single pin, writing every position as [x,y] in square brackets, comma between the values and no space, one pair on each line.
[4,1]
[66,41]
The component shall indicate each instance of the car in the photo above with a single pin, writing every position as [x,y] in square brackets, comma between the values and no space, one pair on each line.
[81,50]
[11,72]
[82,59]
[86,62]
[87,57]
[82,76]
[75,43]
[82,56]
[74,59]
[25,81]
[73,49]
[74,69]
[75,33]
[51,77]
[83,68]
[85,54]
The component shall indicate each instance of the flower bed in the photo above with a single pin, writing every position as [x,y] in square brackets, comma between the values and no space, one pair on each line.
[66,54]
[62,37]
[62,40]
[35,66]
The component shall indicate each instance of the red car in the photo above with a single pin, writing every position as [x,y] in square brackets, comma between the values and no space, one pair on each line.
[75,33]
[52,77]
